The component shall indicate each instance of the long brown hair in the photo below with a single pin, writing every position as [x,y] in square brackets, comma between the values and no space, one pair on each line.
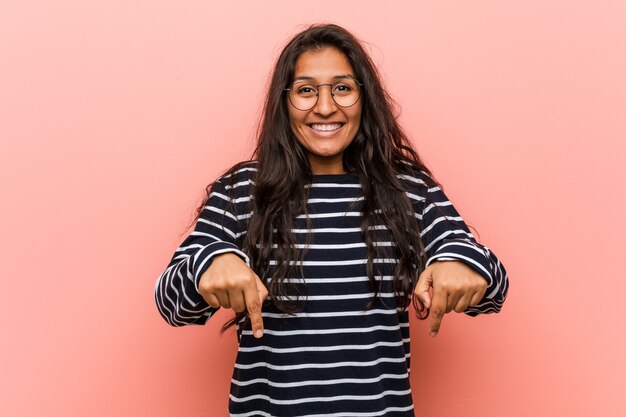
[379,152]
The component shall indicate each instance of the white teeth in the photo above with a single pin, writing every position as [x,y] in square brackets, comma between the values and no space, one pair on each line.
[326,127]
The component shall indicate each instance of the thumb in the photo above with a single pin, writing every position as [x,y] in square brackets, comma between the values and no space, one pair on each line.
[422,288]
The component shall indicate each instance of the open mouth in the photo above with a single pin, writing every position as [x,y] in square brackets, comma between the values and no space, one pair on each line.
[325,129]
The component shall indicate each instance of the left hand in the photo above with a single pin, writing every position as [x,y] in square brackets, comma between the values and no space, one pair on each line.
[455,285]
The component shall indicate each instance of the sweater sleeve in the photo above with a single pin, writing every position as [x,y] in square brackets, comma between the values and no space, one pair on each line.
[176,291]
[446,237]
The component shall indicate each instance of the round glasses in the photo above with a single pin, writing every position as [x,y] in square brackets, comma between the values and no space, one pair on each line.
[303,95]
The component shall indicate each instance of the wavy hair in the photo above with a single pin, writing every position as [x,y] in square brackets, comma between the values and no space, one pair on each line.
[379,152]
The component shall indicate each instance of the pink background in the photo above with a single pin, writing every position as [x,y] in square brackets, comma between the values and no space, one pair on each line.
[115,115]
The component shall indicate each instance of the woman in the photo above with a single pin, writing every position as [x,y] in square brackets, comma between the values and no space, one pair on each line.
[321,242]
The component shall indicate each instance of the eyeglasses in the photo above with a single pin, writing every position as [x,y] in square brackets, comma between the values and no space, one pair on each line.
[303,95]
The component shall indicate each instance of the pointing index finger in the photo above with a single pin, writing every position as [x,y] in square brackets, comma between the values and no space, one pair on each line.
[437,310]
[253,306]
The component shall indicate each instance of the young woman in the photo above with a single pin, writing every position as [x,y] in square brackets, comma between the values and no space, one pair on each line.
[321,242]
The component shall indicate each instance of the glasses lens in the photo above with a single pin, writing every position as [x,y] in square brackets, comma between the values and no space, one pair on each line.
[346,92]
[303,95]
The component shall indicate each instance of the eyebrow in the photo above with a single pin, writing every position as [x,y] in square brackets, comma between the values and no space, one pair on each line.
[336,77]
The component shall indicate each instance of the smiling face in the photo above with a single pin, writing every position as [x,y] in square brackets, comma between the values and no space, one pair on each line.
[327,129]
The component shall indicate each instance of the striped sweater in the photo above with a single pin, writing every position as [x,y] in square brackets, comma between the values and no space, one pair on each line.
[335,357]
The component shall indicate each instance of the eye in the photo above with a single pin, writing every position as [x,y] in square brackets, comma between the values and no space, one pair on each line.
[305,90]
[343,90]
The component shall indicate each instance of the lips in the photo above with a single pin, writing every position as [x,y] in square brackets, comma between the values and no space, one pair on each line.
[325,127]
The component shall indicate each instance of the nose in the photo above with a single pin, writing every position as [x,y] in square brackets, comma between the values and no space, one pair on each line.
[325,103]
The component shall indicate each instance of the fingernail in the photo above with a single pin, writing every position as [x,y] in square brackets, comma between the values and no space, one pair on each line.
[258,334]
[433,334]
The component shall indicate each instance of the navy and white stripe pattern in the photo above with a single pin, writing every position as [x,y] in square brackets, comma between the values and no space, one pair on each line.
[335,358]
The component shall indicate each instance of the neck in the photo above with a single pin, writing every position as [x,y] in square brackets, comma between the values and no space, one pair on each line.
[327,167]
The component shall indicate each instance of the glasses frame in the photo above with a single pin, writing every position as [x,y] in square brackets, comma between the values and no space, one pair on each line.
[317,96]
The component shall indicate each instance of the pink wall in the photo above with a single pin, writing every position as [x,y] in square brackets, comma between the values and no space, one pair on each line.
[115,115]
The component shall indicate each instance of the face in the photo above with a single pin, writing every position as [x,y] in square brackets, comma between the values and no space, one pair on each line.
[327,129]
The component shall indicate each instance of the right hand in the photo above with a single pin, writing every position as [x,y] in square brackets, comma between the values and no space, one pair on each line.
[230,283]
